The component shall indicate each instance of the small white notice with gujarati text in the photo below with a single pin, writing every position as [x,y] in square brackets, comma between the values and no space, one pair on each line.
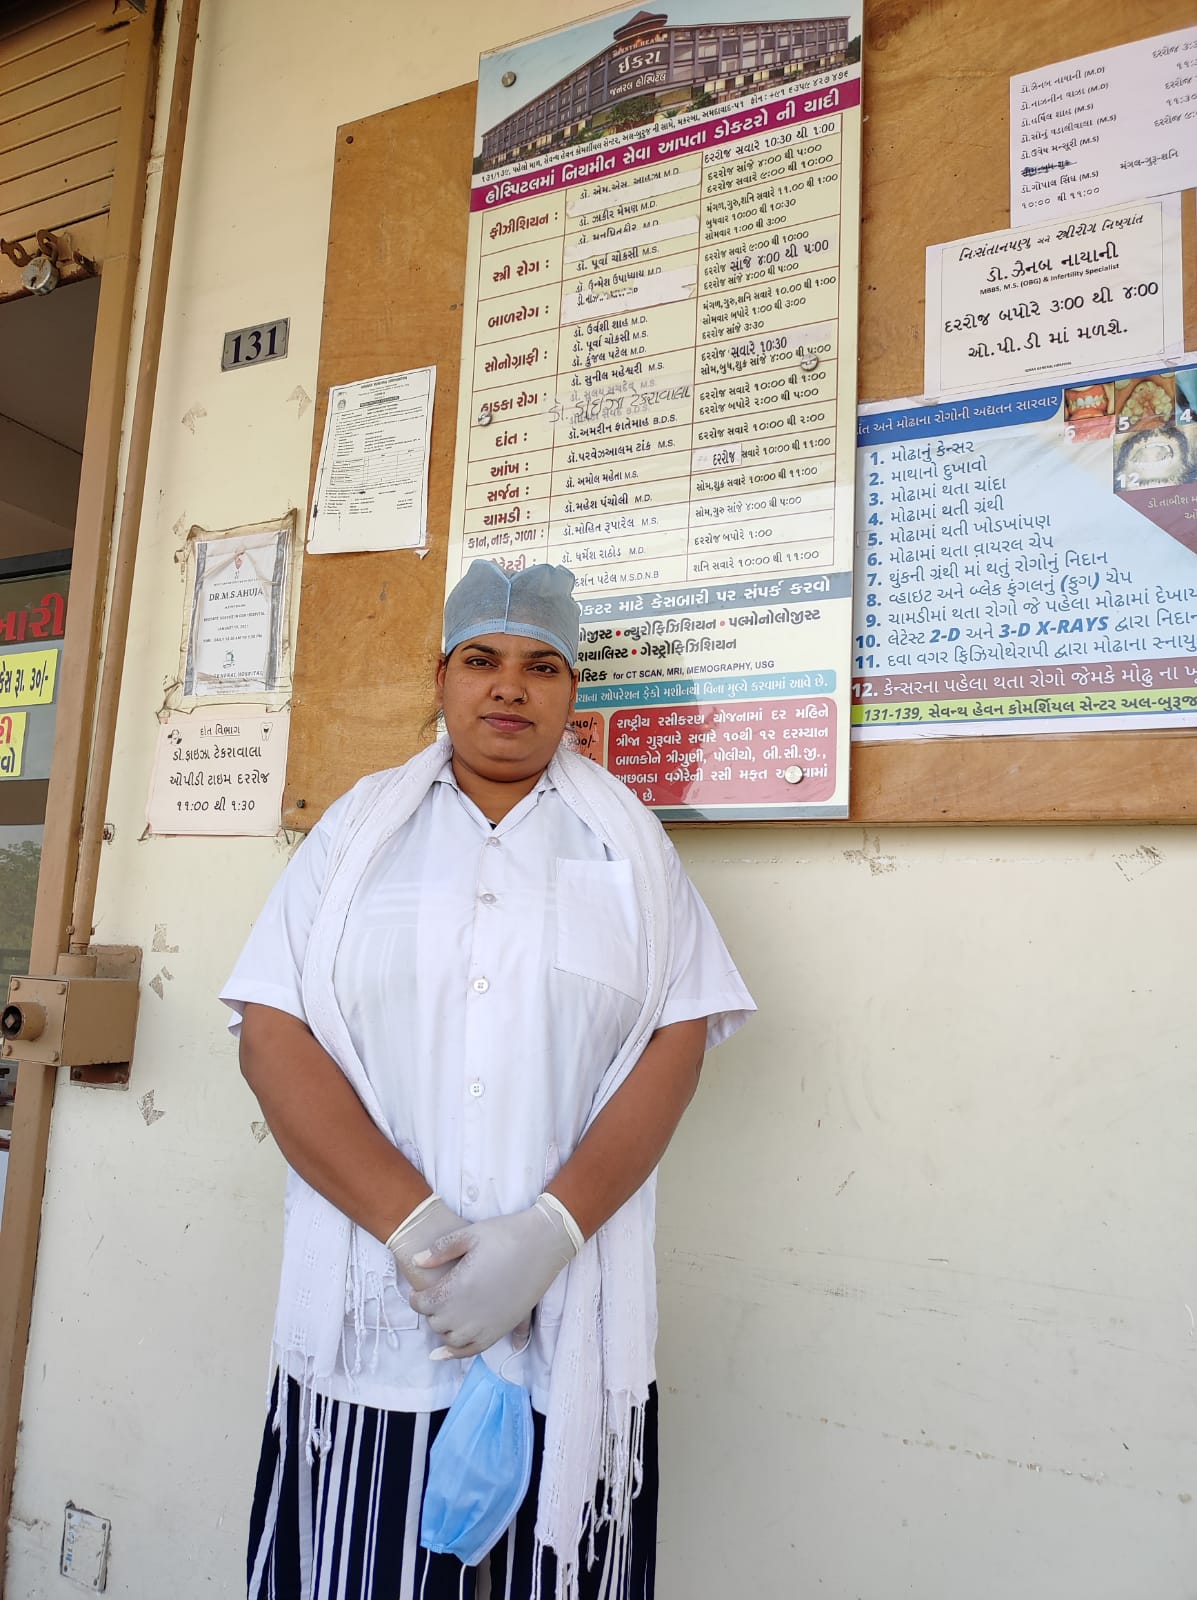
[219,773]
[1104,128]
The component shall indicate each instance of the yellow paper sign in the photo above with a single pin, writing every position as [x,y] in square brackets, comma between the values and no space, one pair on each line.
[12,742]
[27,678]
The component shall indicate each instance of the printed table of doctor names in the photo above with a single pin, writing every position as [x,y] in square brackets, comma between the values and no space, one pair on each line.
[654,401]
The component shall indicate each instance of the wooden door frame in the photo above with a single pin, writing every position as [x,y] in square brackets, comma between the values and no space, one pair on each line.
[76,702]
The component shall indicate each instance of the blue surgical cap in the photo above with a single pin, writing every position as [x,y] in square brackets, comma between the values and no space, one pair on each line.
[536,603]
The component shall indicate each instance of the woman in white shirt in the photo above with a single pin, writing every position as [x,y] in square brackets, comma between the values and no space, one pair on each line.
[473,1010]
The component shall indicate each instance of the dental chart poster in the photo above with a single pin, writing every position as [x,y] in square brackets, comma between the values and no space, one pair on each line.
[1028,560]
[659,384]
[1104,128]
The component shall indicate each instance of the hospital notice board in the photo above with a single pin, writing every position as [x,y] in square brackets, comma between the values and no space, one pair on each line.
[936,165]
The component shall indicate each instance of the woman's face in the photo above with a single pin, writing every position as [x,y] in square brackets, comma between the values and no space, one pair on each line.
[506,701]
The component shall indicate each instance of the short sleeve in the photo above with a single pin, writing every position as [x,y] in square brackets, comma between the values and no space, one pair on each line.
[704,981]
[269,970]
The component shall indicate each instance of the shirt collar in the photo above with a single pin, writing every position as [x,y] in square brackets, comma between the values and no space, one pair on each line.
[447,775]
[545,782]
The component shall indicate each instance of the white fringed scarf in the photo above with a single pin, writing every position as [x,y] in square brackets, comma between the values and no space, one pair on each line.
[603,1362]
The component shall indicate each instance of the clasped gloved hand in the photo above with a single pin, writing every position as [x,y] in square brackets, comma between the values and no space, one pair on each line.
[500,1270]
[431,1221]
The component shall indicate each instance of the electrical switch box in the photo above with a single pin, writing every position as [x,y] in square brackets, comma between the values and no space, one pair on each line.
[69,1021]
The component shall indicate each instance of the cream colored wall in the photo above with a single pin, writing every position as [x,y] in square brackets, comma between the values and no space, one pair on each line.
[927,1235]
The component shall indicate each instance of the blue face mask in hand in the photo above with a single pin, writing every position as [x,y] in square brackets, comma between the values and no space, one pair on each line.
[479,1467]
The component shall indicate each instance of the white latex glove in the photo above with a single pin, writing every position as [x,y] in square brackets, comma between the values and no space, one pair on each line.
[430,1222]
[500,1270]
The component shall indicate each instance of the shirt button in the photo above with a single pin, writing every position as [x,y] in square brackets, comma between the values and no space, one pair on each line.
[481,985]
[493,843]
[472,1192]
[487,899]
[477,1089]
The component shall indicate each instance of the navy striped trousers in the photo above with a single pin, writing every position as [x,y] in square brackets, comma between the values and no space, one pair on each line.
[347,1525]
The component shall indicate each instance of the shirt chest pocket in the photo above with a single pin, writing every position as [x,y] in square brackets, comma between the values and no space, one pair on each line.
[598,928]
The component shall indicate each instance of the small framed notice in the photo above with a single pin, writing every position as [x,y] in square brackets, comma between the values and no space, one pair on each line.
[236,630]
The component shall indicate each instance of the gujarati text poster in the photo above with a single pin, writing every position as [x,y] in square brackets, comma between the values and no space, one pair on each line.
[1028,560]
[32,627]
[219,772]
[1093,292]
[1105,128]
[659,382]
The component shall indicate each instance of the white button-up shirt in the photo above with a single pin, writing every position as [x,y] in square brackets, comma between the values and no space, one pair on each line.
[488,977]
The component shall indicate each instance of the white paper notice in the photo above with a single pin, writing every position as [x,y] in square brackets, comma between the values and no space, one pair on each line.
[372,479]
[219,773]
[1104,128]
[1102,290]
[238,613]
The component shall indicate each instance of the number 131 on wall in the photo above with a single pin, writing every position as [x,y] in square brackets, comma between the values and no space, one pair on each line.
[249,347]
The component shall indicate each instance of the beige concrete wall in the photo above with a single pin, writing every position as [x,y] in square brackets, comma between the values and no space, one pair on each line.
[927,1235]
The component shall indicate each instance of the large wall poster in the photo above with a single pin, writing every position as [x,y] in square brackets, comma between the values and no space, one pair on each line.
[1029,560]
[659,385]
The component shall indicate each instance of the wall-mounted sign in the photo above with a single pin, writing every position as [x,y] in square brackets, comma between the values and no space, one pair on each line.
[371,490]
[25,616]
[33,612]
[1098,291]
[236,640]
[1103,129]
[219,772]
[249,347]
[12,742]
[658,385]
[1029,560]
[27,678]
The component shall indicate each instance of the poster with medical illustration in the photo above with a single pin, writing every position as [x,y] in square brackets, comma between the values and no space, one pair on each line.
[1028,560]
[659,382]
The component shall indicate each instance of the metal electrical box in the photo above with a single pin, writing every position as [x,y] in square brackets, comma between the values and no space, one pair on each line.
[69,1021]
